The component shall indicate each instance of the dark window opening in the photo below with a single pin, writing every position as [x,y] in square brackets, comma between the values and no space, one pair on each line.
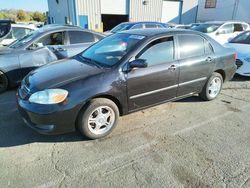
[110,21]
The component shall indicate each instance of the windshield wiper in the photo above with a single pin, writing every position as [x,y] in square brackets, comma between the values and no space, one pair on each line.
[92,61]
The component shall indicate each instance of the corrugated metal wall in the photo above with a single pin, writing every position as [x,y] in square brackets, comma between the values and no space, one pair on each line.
[92,9]
[149,12]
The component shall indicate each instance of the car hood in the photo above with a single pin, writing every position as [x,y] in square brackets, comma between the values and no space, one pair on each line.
[59,73]
[243,50]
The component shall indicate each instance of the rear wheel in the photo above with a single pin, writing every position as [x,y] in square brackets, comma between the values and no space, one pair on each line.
[3,82]
[212,88]
[98,119]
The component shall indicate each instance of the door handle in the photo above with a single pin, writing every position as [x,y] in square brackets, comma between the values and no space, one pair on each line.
[172,68]
[60,49]
[209,59]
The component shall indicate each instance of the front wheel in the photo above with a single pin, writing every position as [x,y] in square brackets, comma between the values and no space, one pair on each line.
[212,88]
[98,119]
[3,82]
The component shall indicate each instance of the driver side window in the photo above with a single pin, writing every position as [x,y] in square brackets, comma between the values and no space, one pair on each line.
[158,52]
[52,39]
[227,29]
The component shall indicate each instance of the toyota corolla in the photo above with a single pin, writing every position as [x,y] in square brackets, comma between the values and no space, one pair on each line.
[121,74]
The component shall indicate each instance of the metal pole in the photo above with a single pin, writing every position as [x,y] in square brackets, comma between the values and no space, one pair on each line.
[180,11]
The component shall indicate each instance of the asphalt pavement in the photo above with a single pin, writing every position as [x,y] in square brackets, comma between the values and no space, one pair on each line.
[187,143]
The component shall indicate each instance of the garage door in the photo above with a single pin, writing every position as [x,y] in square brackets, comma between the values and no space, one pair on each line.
[170,11]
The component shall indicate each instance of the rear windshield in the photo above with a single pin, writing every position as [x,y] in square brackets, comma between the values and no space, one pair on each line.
[206,28]
[121,27]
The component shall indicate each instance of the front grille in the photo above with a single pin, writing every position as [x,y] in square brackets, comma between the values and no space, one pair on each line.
[239,63]
[23,92]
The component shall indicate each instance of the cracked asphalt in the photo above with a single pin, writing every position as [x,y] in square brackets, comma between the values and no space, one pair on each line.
[187,143]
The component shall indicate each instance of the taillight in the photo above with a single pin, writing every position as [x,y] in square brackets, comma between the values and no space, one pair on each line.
[235,56]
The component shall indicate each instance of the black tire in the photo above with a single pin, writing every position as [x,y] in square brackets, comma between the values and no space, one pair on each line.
[205,93]
[89,110]
[3,82]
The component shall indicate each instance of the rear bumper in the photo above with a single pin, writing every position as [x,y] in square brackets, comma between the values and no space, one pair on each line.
[46,119]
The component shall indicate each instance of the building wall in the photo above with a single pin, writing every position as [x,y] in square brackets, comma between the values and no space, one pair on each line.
[243,12]
[119,7]
[58,11]
[149,12]
[92,9]
[224,11]
[189,11]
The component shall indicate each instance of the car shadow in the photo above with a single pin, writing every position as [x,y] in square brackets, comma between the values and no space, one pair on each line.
[239,78]
[14,132]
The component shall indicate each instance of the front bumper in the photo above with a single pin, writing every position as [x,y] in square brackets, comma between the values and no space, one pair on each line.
[48,119]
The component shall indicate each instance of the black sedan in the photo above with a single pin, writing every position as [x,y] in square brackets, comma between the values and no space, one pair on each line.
[123,73]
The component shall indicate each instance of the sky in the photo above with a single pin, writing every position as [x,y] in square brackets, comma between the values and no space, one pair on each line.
[30,5]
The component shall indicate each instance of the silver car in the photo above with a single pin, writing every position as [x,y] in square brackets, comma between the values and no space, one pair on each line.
[38,48]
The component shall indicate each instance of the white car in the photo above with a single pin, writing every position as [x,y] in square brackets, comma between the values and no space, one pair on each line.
[222,32]
[17,31]
[241,44]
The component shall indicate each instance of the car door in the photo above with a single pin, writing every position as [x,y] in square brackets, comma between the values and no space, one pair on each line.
[196,61]
[78,41]
[158,82]
[224,33]
[41,51]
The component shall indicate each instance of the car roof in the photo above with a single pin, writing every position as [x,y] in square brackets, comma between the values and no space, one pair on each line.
[223,22]
[159,31]
[30,26]
[144,22]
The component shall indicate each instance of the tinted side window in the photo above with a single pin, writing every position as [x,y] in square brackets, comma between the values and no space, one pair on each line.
[190,46]
[158,51]
[159,26]
[137,26]
[52,39]
[238,28]
[150,25]
[76,37]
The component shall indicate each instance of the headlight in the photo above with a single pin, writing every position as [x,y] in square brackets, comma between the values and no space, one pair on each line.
[247,59]
[49,96]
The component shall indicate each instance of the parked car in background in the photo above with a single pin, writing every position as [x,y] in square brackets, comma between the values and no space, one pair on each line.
[137,25]
[179,26]
[17,31]
[38,48]
[5,27]
[123,73]
[222,32]
[241,44]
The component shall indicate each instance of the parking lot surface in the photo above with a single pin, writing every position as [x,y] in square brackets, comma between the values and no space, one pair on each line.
[187,143]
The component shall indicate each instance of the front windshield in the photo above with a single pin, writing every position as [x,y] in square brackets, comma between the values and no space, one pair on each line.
[243,38]
[21,42]
[112,49]
[206,28]
[121,27]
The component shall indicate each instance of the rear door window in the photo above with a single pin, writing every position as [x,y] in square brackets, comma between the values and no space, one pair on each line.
[76,37]
[158,52]
[190,46]
[150,25]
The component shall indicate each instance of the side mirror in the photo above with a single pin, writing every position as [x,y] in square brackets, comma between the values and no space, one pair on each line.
[138,63]
[35,46]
